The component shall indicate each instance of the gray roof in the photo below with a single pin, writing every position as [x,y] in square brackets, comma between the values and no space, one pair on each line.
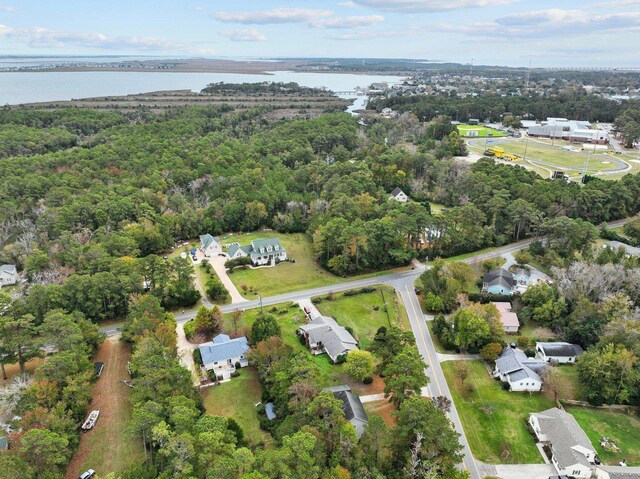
[632,250]
[517,365]
[560,349]
[564,433]
[396,191]
[4,443]
[222,348]
[621,472]
[351,406]
[207,239]
[265,243]
[233,249]
[499,276]
[335,339]
[8,268]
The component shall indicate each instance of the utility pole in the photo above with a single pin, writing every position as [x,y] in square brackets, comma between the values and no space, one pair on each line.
[526,144]
[260,299]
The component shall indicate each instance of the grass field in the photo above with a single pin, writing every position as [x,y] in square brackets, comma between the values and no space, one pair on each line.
[358,312]
[105,448]
[286,277]
[483,131]
[237,399]
[494,419]
[621,428]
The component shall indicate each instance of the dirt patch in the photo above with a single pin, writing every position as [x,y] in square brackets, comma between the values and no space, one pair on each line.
[383,409]
[105,448]
[13,369]
[376,387]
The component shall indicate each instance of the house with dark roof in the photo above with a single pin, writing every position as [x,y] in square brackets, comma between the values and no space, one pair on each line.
[8,274]
[498,281]
[324,335]
[262,251]
[617,472]
[572,453]
[210,245]
[519,371]
[223,354]
[399,195]
[351,406]
[558,352]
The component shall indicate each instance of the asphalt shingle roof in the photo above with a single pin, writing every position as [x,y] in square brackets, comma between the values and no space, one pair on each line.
[499,276]
[560,349]
[351,406]
[335,339]
[223,348]
[621,472]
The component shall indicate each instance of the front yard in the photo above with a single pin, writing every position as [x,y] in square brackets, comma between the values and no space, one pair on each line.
[622,429]
[237,399]
[286,277]
[494,419]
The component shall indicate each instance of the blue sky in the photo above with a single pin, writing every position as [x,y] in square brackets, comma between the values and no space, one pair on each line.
[502,32]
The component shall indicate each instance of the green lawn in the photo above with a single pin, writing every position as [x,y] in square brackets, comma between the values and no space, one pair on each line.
[621,428]
[286,277]
[494,419]
[358,312]
[237,399]
[483,131]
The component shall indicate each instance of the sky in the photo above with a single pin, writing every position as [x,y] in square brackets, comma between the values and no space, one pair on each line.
[542,33]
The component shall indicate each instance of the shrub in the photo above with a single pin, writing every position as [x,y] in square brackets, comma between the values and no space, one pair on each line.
[491,352]
[238,365]
[189,329]
[367,380]
[434,303]
[341,359]
[530,353]
[197,357]
[506,386]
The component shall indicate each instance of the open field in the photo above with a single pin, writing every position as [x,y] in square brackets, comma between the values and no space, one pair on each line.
[494,419]
[13,369]
[483,131]
[105,448]
[287,276]
[359,312]
[237,399]
[621,428]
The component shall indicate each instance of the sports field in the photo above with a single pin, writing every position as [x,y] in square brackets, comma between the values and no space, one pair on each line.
[482,131]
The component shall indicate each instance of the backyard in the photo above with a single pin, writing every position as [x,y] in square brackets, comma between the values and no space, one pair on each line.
[618,427]
[237,399]
[106,448]
[494,419]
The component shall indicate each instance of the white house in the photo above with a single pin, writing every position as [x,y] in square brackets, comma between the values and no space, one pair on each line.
[8,274]
[519,371]
[399,195]
[559,352]
[209,245]
[617,472]
[261,251]
[508,318]
[572,452]
[324,335]
[223,353]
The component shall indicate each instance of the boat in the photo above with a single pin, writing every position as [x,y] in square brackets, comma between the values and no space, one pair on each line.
[91,420]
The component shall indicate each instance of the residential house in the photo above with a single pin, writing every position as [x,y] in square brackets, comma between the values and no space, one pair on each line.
[498,281]
[223,353]
[351,406]
[209,245]
[399,195]
[559,352]
[508,318]
[261,251]
[630,250]
[519,371]
[617,472]
[8,274]
[572,452]
[324,335]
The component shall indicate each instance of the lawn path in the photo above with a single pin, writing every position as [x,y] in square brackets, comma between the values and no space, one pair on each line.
[104,448]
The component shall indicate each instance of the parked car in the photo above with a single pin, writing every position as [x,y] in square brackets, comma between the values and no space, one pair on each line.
[88,474]
[307,309]
[99,366]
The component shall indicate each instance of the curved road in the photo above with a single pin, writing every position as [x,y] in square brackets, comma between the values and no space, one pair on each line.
[404,284]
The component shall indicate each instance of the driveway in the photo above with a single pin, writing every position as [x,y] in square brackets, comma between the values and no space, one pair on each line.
[306,303]
[185,352]
[218,266]
[521,471]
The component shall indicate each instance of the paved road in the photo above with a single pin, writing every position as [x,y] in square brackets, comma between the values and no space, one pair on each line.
[404,284]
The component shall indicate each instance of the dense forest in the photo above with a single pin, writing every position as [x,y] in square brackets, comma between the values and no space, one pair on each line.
[572,104]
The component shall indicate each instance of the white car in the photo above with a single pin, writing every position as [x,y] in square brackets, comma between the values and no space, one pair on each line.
[87,474]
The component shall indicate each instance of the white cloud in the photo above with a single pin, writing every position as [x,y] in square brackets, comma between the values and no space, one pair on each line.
[348,4]
[7,8]
[244,35]
[274,16]
[413,6]
[39,37]
[546,23]
[618,4]
[348,22]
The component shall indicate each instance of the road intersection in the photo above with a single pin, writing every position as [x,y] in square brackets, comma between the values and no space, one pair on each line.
[403,283]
